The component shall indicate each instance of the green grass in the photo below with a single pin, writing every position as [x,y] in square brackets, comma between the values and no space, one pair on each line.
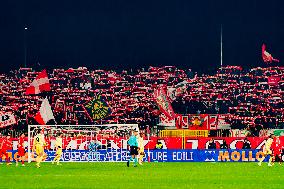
[150,175]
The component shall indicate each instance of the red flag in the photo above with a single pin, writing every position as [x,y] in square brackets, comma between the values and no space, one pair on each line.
[45,113]
[163,103]
[267,57]
[40,84]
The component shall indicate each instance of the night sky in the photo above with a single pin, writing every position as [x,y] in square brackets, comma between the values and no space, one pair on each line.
[133,34]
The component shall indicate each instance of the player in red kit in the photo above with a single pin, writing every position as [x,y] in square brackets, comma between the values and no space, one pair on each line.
[5,145]
[277,150]
[1,139]
[21,149]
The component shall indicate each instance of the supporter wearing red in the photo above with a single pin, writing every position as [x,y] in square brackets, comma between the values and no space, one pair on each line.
[277,147]
[5,145]
[1,140]
[21,150]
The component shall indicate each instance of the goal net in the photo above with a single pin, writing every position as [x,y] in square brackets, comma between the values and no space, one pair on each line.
[110,142]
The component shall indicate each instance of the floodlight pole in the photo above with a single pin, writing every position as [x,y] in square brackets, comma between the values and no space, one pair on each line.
[221,50]
[25,46]
[221,46]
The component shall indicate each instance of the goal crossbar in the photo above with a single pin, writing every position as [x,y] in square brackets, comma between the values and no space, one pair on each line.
[92,130]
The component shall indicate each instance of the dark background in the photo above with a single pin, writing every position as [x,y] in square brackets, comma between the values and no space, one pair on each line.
[133,34]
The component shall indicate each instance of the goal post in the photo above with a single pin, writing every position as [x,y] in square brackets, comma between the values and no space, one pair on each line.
[111,140]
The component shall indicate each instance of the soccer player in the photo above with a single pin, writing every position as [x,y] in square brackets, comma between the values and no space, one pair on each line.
[38,147]
[6,143]
[277,150]
[21,149]
[267,151]
[1,139]
[58,146]
[141,148]
[133,143]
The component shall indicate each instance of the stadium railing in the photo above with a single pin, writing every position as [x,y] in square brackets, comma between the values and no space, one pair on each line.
[184,133]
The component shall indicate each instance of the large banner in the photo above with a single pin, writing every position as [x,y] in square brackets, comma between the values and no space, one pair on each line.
[97,108]
[163,103]
[193,122]
[202,121]
[232,142]
[170,143]
[154,156]
[6,119]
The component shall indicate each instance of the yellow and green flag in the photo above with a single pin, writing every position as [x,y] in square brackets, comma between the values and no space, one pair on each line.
[97,108]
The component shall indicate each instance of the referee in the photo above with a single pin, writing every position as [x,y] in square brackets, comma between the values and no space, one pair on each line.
[133,143]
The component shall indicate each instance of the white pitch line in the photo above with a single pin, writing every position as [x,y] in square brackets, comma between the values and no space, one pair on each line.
[51,175]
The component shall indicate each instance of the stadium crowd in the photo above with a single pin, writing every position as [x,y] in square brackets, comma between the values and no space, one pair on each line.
[252,98]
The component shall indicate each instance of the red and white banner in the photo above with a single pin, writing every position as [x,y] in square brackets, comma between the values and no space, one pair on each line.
[192,122]
[221,121]
[202,142]
[165,121]
[273,80]
[168,143]
[164,103]
[213,122]
[40,84]
[6,119]
[202,121]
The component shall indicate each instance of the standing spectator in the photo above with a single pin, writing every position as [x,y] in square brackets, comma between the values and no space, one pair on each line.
[4,146]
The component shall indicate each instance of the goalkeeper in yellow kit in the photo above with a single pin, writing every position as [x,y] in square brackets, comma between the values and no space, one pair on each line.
[267,151]
[58,146]
[38,147]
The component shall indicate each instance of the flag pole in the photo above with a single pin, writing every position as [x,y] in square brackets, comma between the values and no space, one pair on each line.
[221,46]
[221,49]
[148,137]
[25,46]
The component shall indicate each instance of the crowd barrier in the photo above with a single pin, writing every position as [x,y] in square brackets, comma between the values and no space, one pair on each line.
[155,156]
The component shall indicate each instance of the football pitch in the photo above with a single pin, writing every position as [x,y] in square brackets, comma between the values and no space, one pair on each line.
[150,175]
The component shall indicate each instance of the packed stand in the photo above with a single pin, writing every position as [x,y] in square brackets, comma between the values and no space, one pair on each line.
[253,99]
